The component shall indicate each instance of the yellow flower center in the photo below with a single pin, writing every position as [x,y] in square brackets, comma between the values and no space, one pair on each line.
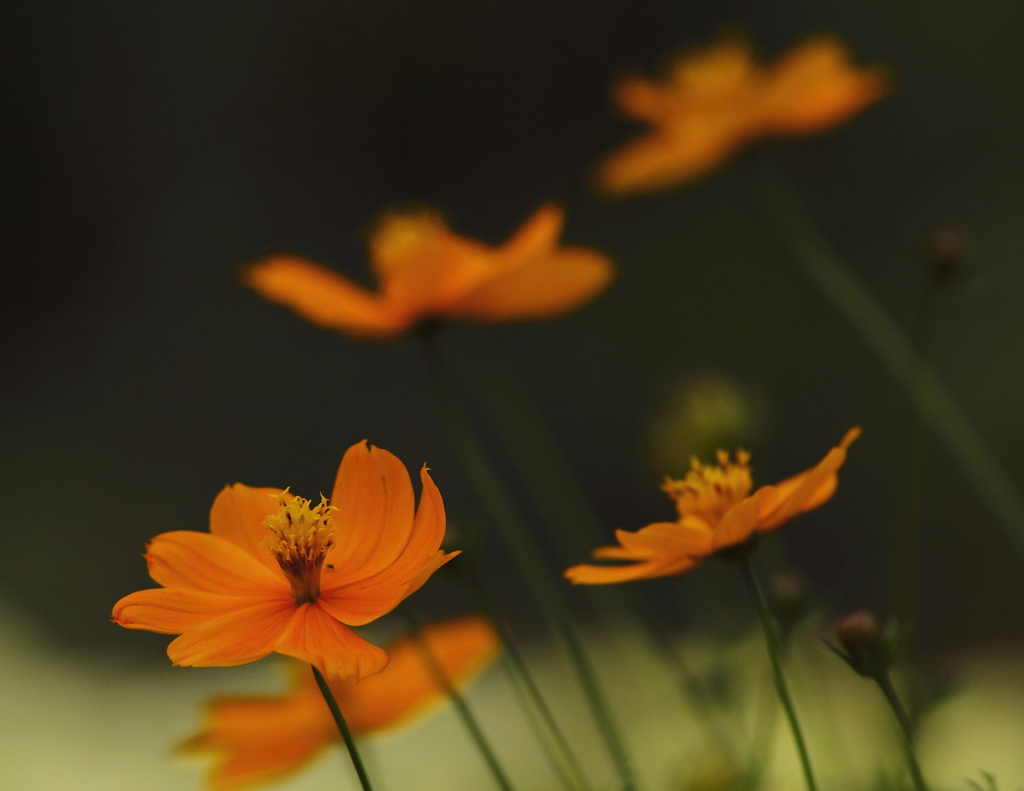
[300,537]
[709,490]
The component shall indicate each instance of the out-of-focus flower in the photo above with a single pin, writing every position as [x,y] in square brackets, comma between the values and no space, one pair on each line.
[715,100]
[699,414]
[425,270]
[716,510]
[277,573]
[260,738]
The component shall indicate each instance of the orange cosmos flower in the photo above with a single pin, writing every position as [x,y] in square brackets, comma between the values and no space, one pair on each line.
[260,738]
[716,510]
[425,270]
[278,573]
[713,101]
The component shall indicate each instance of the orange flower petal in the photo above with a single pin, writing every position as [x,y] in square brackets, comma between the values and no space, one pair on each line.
[664,160]
[668,539]
[369,599]
[259,739]
[360,601]
[238,637]
[325,297]
[739,522]
[313,636]
[422,265]
[538,234]
[200,561]
[374,498]
[238,514]
[548,284]
[589,574]
[815,86]
[174,610]
[406,687]
[807,490]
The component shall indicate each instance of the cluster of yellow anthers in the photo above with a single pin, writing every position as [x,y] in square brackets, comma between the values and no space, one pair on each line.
[277,573]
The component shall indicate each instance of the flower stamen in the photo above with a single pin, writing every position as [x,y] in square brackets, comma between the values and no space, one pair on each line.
[709,490]
[300,537]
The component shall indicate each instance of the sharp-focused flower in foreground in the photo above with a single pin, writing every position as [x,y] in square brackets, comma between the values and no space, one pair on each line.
[425,270]
[716,510]
[713,101]
[260,738]
[278,573]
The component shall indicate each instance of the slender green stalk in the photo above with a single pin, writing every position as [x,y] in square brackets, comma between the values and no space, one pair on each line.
[893,348]
[346,734]
[526,556]
[548,731]
[565,510]
[475,732]
[772,642]
[885,684]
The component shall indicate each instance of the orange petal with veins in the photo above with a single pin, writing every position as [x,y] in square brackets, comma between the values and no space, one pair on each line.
[200,561]
[238,514]
[236,638]
[374,517]
[315,637]
[175,610]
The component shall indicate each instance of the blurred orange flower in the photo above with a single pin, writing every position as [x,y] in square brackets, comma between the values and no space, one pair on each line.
[713,101]
[716,510]
[261,738]
[425,270]
[277,573]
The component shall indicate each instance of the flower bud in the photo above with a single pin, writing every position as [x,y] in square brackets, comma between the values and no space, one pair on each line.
[944,249]
[866,649]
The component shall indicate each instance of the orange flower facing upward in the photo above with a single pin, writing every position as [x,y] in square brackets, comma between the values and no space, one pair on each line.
[261,738]
[713,101]
[425,270]
[716,510]
[278,573]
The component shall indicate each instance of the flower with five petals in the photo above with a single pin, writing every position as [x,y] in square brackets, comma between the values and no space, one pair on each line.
[716,510]
[427,271]
[278,573]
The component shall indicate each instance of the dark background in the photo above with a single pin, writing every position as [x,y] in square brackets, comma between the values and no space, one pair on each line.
[156,147]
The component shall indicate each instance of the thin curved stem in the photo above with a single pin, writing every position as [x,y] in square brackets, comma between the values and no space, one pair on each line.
[346,734]
[772,642]
[890,344]
[548,731]
[475,731]
[503,516]
[885,684]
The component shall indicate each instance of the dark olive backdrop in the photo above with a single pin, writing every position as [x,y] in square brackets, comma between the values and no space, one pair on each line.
[156,147]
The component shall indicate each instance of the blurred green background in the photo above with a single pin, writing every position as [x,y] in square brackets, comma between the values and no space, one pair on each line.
[159,146]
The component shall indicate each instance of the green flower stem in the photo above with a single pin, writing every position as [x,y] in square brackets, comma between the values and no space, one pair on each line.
[555,491]
[475,732]
[885,684]
[346,734]
[549,733]
[893,348]
[526,556]
[772,642]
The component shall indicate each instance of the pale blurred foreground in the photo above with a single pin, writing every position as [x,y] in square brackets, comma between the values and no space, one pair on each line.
[76,723]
